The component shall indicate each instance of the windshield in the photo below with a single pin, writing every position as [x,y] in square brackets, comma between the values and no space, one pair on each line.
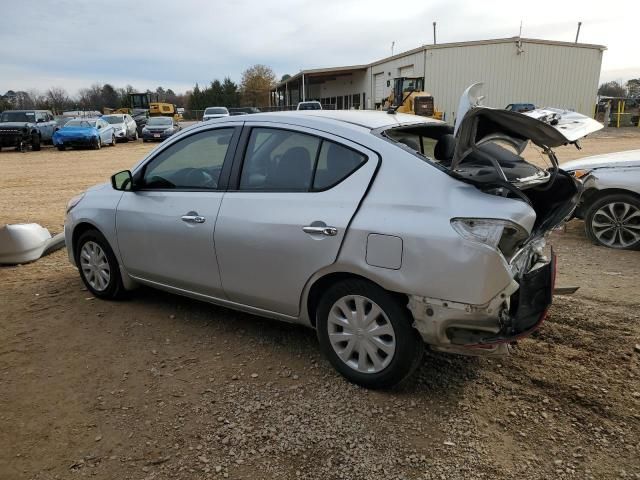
[113,119]
[160,121]
[80,123]
[411,84]
[18,117]
[215,111]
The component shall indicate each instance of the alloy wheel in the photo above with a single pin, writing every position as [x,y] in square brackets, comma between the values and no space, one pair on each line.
[361,334]
[617,224]
[95,266]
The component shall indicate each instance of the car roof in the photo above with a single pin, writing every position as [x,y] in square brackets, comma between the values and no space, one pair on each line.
[369,119]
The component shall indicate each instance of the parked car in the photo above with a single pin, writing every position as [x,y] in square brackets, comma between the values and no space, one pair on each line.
[610,204]
[159,129]
[124,126]
[520,107]
[26,128]
[338,220]
[214,112]
[85,132]
[243,110]
[310,105]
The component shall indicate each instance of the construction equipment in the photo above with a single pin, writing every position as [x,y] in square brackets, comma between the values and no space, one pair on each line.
[408,96]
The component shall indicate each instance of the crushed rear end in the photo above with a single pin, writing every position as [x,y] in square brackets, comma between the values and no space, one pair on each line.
[485,151]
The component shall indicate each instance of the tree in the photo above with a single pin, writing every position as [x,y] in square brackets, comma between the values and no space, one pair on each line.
[230,93]
[612,89]
[633,87]
[256,85]
[58,99]
[286,76]
[109,97]
[195,99]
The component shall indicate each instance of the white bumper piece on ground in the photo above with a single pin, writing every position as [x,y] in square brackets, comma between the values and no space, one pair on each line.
[26,242]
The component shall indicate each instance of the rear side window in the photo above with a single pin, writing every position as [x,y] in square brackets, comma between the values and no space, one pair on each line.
[335,163]
[279,160]
[284,160]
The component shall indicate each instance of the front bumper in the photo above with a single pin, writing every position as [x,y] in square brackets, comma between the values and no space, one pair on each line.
[157,136]
[75,141]
[13,137]
[514,313]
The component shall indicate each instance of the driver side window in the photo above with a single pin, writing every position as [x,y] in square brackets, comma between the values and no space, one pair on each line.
[195,162]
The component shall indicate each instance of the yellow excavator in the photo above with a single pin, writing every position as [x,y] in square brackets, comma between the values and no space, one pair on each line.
[140,105]
[408,96]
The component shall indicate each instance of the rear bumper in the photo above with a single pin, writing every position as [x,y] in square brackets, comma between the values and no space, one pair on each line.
[514,313]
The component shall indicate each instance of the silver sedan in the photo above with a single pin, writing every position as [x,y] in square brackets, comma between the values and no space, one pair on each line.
[384,232]
[610,204]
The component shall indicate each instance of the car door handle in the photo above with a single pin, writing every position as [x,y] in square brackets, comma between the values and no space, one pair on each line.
[322,230]
[193,217]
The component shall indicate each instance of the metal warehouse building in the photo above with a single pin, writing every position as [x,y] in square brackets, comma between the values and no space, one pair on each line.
[514,70]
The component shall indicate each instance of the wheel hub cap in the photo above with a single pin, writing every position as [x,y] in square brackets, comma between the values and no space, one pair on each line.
[361,334]
[617,224]
[95,266]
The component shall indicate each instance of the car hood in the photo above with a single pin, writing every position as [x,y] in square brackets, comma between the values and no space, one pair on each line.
[546,128]
[629,158]
[13,125]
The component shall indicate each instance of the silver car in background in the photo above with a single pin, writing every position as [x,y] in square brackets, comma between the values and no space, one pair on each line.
[610,204]
[124,126]
[384,232]
[214,112]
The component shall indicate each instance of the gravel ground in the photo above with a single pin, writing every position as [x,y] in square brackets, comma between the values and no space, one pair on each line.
[162,387]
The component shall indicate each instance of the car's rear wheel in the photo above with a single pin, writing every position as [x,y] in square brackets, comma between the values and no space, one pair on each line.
[614,221]
[98,265]
[35,142]
[366,334]
[135,136]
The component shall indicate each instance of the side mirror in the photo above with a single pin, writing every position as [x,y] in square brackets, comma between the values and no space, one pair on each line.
[99,127]
[122,181]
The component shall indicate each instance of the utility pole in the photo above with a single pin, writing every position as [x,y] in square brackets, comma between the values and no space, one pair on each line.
[393,44]
[434,33]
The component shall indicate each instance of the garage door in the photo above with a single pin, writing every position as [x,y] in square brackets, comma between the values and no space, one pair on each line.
[406,71]
[379,83]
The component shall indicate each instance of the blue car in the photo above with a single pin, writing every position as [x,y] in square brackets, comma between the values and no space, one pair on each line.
[85,132]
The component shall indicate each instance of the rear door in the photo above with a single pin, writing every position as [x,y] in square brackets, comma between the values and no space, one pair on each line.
[165,227]
[286,214]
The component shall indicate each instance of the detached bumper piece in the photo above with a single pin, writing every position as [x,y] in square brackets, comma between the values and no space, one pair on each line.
[529,305]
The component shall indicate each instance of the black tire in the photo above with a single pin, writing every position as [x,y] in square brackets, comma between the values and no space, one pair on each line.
[409,347]
[97,144]
[136,136]
[624,233]
[35,142]
[113,141]
[113,288]
[62,148]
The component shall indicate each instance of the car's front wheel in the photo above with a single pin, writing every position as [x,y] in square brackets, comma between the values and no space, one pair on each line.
[35,142]
[614,221]
[366,334]
[113,141]
[98,265]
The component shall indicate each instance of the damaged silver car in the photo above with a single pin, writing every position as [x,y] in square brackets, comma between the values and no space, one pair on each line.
[384,232]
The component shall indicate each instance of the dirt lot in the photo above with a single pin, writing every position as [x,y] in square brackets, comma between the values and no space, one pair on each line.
[162,387]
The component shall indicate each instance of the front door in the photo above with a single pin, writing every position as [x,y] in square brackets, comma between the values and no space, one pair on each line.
[294,198]
[165,226]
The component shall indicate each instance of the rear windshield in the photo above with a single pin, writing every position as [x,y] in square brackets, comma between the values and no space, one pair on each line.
[18,117]
[309,106]
[80,123]
[215,111]
[114,119]
[160,121]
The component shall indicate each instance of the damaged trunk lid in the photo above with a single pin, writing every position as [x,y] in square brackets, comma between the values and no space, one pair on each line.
[488,147]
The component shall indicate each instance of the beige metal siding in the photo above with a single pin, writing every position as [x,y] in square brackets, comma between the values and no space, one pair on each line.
[546,75]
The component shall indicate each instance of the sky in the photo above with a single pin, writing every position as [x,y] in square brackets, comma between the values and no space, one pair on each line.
[176,43]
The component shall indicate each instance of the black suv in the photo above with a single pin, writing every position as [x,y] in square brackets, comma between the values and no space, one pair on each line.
[23,128]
